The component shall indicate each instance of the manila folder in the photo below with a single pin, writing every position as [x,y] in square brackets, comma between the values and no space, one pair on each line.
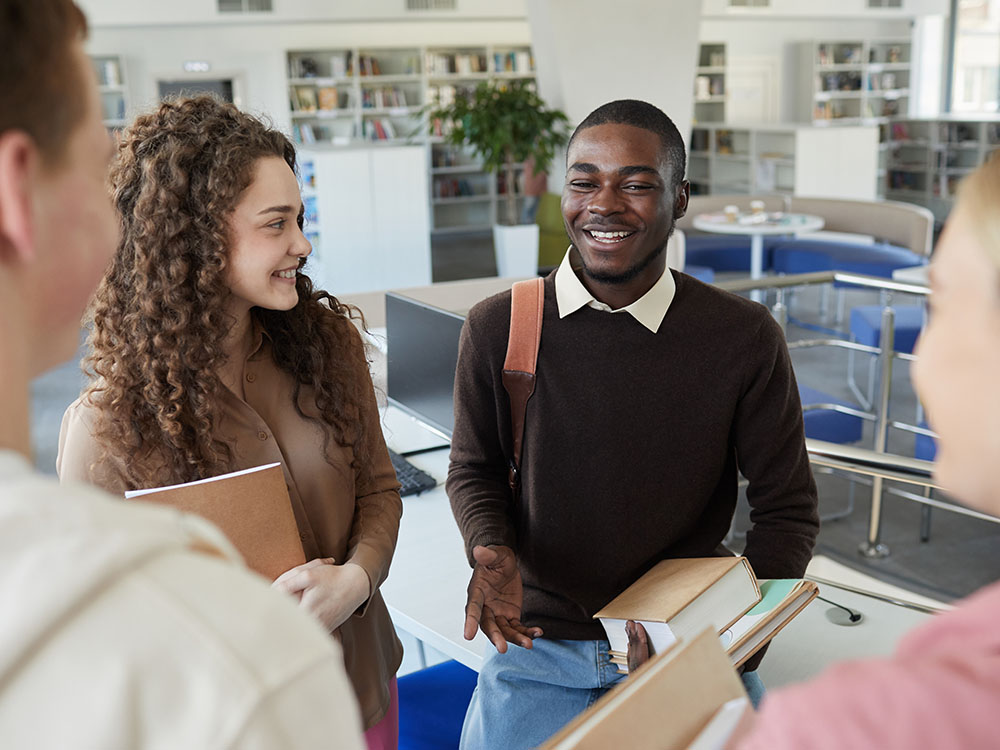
[664,705]
[251,507]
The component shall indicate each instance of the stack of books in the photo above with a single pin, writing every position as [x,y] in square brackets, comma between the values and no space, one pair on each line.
[679,598]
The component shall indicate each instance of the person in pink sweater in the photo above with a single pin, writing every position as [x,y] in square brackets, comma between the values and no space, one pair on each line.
[940,688]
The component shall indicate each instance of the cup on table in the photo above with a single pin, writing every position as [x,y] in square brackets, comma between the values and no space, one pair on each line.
[756,207]
[732,213]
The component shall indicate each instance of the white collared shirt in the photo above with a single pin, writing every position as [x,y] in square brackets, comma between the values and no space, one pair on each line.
[649,309]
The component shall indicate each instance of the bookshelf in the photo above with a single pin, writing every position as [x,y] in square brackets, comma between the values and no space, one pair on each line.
[856,81]
[343,97]
[792,158]
[710,87]
[925,159]
[110,72]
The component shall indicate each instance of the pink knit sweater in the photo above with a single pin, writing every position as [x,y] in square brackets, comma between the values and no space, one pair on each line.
[940,690]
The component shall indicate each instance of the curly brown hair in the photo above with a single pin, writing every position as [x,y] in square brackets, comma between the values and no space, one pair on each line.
[158,318]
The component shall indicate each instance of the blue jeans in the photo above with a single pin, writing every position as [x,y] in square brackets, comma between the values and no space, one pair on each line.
[525,696]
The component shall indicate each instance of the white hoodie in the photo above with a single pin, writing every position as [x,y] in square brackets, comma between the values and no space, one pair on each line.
[116,633]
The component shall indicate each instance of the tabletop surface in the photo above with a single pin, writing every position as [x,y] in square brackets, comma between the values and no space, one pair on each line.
[763,223]
[426,593]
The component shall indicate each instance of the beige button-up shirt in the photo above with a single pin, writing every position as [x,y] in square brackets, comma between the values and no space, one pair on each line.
[347,514]
[650,309]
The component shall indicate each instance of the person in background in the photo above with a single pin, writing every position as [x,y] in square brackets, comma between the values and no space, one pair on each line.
[211,352]
[535,184]
[654,391]
[120,625]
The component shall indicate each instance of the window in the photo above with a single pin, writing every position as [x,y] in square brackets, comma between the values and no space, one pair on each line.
[885,3]
[975,77]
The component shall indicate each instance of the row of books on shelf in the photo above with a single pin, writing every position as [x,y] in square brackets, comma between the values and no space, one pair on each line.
[442,63]
[343,64]
[445,95]
[454,188]
[513,62]
[850,54]
[314,98]
[385,96]
[953,133]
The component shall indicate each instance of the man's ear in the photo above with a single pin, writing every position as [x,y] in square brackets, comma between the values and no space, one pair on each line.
[19,168]
[683,195]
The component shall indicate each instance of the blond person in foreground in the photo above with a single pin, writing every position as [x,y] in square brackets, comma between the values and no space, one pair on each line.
[212,352]
[940,688]
[120,626]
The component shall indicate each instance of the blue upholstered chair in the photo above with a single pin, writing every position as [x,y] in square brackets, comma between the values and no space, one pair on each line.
[432,706]
[825,423]
[678,260]
[866,328]
[903,234]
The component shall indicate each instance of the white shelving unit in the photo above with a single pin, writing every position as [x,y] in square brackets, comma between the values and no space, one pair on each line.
[856,81]
[711,91]
[791,158]
[926,158]
[344,97]
[110,71]
[366,209]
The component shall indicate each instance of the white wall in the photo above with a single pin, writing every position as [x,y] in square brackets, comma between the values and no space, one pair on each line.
[256,53]
[587,56]
[826,9]
[153,12]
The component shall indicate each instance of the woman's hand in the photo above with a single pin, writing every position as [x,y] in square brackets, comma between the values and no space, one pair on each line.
[331,592]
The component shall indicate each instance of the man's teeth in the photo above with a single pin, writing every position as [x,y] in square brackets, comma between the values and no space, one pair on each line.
[285,274]
[609,236]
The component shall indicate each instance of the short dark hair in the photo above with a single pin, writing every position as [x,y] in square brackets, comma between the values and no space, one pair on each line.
[646,116]
[41,90]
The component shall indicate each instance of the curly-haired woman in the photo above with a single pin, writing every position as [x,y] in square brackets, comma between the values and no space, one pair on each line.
[211,352]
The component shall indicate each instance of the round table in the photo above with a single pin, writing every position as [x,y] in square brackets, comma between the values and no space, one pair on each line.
[756,226]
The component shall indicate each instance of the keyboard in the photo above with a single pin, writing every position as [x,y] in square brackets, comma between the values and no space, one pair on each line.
[413,480]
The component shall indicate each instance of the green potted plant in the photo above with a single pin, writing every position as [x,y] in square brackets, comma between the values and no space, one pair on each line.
[505,123]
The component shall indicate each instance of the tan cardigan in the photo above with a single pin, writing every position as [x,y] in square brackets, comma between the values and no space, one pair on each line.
[340,512]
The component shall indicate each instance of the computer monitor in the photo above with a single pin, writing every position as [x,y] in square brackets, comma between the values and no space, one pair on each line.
[422,343]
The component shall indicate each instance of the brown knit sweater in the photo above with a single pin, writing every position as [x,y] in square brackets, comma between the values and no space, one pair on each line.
[633,441]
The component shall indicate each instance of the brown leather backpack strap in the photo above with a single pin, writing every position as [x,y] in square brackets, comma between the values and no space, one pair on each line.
[527,299]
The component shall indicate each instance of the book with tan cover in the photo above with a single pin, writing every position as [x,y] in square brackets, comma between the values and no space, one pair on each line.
[665,705]
[678,598]
[251,507]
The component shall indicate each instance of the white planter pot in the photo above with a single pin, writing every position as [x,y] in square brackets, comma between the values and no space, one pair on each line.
[516,249]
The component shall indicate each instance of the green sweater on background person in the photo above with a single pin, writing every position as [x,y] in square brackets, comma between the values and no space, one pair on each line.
[633,444]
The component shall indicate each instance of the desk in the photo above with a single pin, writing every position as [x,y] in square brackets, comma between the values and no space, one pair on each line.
[425,590]
[772,224]
[425,593]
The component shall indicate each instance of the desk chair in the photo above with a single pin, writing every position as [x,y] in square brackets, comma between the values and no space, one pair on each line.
[432,706]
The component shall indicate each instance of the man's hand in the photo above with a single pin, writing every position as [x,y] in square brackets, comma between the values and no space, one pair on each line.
[638,645]
[331,592]
[495,596]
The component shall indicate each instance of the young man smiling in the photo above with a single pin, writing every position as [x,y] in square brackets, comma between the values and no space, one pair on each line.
[653,392]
